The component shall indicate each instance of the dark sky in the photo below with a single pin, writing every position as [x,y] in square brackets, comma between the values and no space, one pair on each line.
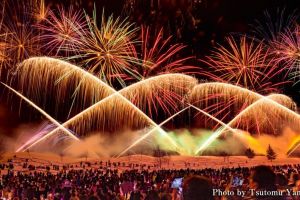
[218,19]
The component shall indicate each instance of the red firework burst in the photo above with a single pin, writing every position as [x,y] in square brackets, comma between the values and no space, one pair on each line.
[286,51]
[60,30]
[159,56]
[244,63]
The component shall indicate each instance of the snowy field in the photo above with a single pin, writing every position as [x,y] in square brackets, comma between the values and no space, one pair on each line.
[42,160]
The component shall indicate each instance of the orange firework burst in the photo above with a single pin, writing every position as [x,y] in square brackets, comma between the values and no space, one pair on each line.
[40,10]
[245,63]
[3,56]
[3,47]
[18,36]
[19,42]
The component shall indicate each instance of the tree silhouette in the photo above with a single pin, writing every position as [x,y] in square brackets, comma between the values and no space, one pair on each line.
[249,153]
[271,154]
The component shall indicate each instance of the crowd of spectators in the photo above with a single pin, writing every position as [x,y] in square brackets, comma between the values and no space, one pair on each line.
[261,182]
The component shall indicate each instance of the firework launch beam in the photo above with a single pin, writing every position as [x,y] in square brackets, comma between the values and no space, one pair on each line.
[42,112]
[115,93]
[151,132]
[267,99]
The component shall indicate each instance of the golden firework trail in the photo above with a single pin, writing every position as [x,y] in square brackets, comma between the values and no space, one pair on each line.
[146,94]
[261,97]
[116,93]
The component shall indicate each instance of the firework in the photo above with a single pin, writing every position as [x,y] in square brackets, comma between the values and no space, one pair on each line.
[293,146]
[220,99]
[188,145]
[123,109]
[60,30]
[37,136]
[40,110]
[18,43]
[89,113]
[40,10]
[152,131]
[160,93]
[217,133]
[63,82]
[108,113]
[244,63]
[113,106]
[286,51]
[279,99]
[284,111]
[3,53]
[274,23]
[19,35]
[110,54]
[265,117]
[111,103]
[107,50]
[160,56]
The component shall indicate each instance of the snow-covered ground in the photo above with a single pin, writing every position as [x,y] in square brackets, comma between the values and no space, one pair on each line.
[41,160]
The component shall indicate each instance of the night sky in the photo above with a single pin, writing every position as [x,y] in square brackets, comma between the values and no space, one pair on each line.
[216,19]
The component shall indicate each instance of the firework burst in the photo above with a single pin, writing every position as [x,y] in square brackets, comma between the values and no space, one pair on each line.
[244,63]
[274,24]
[160,56]
[19,37]
[286,51]
[40,10]
[3,53]
[60,30]
[21,43]
[107,50]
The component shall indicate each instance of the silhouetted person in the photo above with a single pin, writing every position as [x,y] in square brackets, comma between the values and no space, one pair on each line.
[262,179]
[152,195]
[197,188]
[281,182]
[135,195]
[295,178]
